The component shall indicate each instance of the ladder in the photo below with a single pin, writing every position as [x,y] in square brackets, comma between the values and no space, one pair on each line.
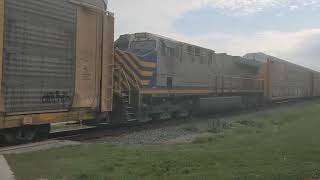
[129,111]
[126,91]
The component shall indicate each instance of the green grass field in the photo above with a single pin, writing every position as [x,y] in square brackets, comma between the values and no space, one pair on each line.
[275,145]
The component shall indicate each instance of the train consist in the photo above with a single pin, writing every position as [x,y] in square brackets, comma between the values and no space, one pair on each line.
[63,66]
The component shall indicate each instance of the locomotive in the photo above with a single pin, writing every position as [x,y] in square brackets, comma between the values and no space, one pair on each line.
[186,78]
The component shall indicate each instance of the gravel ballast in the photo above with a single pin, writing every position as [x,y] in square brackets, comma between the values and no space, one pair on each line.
[152,136]
[187,131]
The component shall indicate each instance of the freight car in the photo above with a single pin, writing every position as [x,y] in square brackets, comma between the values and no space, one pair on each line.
[286,80]
[56,64]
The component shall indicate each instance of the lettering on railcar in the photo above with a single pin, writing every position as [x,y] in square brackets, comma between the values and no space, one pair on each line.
[56,97]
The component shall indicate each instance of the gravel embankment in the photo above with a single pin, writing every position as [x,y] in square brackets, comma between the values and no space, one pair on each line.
[154,136]
[187,131]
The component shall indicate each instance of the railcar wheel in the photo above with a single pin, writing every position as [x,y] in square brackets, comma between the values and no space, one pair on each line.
[9,137]
[2,139]
[43,132]
[26,134]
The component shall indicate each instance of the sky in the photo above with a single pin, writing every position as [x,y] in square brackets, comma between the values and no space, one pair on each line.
[288,29]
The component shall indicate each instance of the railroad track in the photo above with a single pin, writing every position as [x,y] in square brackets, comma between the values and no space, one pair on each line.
[78,136]
[90,134]
[38,146]
[57,139]
[73,137]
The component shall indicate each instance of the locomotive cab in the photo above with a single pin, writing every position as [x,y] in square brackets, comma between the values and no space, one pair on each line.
[139,44]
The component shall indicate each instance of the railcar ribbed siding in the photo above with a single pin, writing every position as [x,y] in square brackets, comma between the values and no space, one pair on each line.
[97,3]
[39,57]
[316,84]
[289,81]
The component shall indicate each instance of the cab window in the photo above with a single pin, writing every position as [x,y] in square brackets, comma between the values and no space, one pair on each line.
[143,47]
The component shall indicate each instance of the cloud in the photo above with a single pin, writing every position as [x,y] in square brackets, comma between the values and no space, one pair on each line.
[241,7]
[293,7]
[149,15]
[307,51]
[268,41]
[247,7]
[159,17]
[302,47]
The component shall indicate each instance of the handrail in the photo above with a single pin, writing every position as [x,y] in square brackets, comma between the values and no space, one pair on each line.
[118,72]
[139,89]
[131,81]
[127,81]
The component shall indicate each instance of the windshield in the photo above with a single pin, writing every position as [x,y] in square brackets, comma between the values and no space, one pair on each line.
[143,47]
[122,44]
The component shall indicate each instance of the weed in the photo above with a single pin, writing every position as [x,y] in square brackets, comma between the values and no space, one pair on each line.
[191,128]
[186,170]
[83,177]
[252,123]
[216,126]
[244,131]
[204,140]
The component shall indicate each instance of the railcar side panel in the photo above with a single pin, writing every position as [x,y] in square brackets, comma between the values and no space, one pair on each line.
[45,118]
[88,58]
[316,84]
[289,80]
[264,74]
[97,3]
[2,108]
[182,64]
[107,64]
[39,55]
[51,61]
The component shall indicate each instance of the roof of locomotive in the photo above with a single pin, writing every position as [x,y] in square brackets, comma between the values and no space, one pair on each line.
[146,35]
[156,36]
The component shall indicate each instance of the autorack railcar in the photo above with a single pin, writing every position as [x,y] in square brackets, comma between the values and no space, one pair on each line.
[56,64]
[287,80]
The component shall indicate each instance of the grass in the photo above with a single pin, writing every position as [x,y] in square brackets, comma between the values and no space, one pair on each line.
[281,145]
